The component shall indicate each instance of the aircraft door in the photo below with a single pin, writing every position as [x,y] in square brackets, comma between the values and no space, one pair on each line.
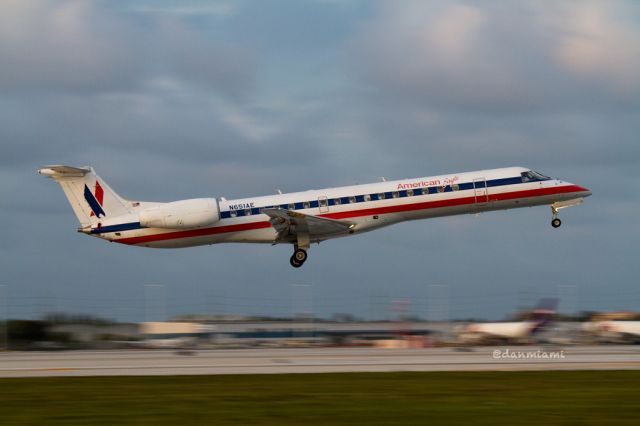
[323,204]
[480,191]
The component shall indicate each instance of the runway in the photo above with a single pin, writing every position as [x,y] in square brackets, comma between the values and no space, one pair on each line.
[314,360]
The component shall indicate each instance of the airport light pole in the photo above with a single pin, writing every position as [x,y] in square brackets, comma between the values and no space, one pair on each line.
[159,307]
[438,307]
[567,296]
[379,307]
[301,303]
[438,303]
[216,304]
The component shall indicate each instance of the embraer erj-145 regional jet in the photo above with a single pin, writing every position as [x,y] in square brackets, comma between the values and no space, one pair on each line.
[302,218]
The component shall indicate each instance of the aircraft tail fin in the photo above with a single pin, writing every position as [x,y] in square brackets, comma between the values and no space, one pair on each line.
[543,314]
[90,197]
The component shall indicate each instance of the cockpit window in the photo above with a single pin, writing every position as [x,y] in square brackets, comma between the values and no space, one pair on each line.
[532,176]
[540,175]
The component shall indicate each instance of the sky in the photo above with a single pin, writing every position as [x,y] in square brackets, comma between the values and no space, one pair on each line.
[170,100]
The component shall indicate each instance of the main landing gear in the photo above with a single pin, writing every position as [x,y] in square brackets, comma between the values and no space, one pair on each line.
[300,247]
[298,258]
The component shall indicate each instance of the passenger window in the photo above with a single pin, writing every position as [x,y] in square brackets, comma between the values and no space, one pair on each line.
[247,212]
[292,206]
[233,213]
[409,192]
[336,201]
[306,204]
[352,200]
[323,202]
[395,194]
[367,197]
[441,189]
[455,187]
[381,196]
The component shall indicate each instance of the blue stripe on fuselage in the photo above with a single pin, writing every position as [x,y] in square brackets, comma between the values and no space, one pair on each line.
[117,228]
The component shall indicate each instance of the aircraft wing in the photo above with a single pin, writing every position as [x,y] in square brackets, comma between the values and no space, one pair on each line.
[290,223]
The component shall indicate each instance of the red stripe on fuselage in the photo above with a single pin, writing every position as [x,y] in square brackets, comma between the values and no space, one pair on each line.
[357,213]
[451,202]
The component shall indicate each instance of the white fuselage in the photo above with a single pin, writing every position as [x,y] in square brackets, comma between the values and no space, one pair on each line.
[621,328]
[367,207]
[500,330]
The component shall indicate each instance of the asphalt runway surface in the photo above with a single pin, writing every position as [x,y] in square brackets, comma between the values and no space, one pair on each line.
[140,362]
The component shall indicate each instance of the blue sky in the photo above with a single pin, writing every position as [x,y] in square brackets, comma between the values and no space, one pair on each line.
[171,100]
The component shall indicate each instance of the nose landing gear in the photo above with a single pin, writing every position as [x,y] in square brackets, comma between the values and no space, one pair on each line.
[556,206]
[555,222]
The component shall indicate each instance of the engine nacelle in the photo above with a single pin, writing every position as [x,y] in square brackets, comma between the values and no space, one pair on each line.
[185,214]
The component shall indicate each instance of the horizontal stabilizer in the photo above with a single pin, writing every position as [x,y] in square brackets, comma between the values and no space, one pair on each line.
[58,171]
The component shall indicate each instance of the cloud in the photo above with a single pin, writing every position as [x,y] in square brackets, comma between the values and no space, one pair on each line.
[196,9]
[522,56]
[76,45]
[600,41]
[453,33]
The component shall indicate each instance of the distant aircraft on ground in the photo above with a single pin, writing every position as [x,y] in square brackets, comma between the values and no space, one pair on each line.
[302,218]
[614,331]
[510,332]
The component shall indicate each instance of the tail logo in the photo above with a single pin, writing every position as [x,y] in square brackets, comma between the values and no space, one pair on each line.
[95,201]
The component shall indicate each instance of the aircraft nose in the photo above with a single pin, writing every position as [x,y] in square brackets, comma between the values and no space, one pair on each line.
[584,190]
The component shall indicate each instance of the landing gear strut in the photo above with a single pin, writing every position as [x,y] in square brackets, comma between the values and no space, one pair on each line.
[298,258]
[555,222]
[556,206]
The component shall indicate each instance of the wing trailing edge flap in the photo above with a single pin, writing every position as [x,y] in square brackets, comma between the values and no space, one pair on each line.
[289,222]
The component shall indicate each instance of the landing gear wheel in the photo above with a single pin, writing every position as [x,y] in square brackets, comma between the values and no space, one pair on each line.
[298,258]
[294,262]
[556,222]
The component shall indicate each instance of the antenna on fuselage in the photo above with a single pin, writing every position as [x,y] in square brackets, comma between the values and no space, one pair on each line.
[384,179]
[279,192]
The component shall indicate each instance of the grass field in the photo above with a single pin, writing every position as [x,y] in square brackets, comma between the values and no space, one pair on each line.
[496,398]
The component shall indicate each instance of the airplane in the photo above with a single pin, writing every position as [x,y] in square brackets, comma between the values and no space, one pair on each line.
[614,331]
[302,218]
[510,332]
